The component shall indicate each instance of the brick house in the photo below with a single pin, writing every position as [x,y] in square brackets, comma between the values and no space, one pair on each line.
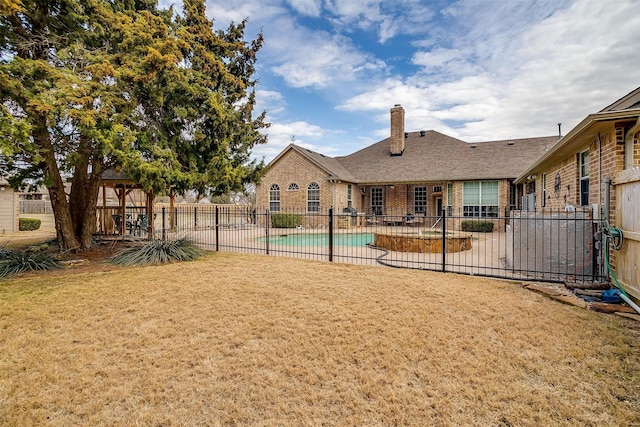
[416,173]
[573,175]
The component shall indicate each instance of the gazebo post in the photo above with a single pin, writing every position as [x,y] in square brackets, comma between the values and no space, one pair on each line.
[150,213]
[103,219]
[123,210]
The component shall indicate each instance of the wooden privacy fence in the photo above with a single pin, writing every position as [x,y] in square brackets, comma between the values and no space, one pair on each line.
[627,259]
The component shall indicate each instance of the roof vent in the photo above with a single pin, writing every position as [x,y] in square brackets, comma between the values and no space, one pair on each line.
[473,146]
[510,143]
[422,133]
[406,134]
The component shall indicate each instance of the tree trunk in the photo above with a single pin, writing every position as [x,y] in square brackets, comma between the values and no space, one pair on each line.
[62,214]
[83,199]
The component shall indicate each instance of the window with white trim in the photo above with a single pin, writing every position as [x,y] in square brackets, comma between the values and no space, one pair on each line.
[349,195]
[480,198]
[584,178]
[313,197]
[376,200]
[420,200]
[274,198]
[449,198]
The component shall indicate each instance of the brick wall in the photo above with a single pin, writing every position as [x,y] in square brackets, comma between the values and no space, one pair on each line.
[606,158]
[293,168]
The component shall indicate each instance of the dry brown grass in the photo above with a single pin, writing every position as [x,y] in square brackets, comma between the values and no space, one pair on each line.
[256,340]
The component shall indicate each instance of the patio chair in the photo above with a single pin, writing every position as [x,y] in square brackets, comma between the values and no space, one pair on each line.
[117,223]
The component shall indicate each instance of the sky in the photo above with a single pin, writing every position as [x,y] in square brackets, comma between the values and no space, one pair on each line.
[477,70]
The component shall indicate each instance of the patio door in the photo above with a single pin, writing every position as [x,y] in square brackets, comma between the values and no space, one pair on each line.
[438,206]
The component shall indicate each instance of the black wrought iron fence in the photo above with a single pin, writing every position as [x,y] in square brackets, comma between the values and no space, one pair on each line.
[550,246]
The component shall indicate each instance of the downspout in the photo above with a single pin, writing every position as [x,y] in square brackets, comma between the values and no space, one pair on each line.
[599,172]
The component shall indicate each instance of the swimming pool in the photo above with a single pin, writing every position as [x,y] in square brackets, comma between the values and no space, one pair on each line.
[321,239]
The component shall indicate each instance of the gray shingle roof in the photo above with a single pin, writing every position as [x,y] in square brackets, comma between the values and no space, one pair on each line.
[432,157]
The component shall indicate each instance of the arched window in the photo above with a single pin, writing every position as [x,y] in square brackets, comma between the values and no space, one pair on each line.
[274,198]
[313,197]
[293,187]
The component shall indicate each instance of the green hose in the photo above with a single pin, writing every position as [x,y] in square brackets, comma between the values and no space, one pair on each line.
[615,234]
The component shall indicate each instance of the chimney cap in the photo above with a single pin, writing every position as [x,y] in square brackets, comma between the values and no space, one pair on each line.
[397,105]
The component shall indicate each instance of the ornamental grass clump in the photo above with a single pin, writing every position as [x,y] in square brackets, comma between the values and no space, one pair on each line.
[158,252]
[13,262]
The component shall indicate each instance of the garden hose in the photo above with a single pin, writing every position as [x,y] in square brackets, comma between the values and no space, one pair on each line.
[617,237]
[613,234]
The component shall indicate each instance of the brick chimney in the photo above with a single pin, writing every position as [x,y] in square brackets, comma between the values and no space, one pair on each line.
[397,130]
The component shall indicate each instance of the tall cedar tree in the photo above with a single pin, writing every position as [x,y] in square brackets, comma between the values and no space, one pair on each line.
[92,84]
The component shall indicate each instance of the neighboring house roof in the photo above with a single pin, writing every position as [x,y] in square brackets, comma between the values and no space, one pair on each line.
[581,136]
[430,156]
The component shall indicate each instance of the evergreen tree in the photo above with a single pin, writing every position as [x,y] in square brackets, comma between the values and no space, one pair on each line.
[92,84]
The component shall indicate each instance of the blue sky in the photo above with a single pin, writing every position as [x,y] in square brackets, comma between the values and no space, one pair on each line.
[478,70]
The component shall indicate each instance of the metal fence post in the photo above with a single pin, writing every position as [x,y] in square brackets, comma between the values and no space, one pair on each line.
[331,234]
[164,227]
[217,230]
[444,239]
[195,217]
[267,221]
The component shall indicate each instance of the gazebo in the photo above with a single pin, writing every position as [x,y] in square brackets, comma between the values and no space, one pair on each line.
[121,219]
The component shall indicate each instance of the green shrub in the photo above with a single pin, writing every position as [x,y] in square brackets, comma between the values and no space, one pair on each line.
[157,252]
[28,224]
[477,226]
[14,262]
[285,220]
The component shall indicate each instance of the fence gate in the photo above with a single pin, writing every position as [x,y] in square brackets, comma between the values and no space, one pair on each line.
[627,259]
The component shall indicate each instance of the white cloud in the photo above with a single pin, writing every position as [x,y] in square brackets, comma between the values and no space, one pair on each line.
[306,7]
[316,58]
[282,134]
[388,19]
[520,83]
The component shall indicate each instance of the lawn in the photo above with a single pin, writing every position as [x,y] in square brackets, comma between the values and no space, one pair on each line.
[255,340]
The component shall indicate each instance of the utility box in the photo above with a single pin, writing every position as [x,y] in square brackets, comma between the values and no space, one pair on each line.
[552,246]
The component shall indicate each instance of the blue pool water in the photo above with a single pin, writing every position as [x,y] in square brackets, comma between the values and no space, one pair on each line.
[322,239]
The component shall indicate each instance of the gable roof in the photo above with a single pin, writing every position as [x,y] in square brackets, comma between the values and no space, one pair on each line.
[578,138]
[430,156]
[330,165]
[629,101]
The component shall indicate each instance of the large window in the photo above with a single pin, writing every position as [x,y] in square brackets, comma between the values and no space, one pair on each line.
[274,198]
[376,200]
[313,197]
[420,200]
[480,199]
[584,178]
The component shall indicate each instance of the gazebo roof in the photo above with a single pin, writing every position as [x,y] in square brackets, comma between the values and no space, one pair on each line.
[114,178]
